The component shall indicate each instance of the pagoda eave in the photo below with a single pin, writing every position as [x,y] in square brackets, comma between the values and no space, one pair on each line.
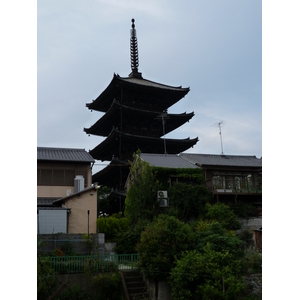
[138,119]
[131,143]
[166,95]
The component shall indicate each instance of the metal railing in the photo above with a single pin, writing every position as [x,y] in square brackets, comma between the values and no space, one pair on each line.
[102,262]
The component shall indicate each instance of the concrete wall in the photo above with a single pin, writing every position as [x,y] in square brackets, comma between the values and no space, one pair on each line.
[77,243]
[251,223]
[162,289]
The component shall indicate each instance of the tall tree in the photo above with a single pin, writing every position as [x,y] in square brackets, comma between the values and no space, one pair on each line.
[141,201]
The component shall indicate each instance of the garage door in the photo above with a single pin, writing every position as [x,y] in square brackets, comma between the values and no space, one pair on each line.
[52,221]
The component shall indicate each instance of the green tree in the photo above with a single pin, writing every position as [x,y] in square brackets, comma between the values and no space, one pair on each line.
[219,238]
[161,242]
[141,200]
[208,275]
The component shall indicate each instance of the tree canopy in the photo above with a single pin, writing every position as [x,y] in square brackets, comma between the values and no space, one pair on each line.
[161,242]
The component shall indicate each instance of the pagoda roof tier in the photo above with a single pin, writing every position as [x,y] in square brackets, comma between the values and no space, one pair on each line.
[113,174]
[131,143]
[138,92]
[137,121]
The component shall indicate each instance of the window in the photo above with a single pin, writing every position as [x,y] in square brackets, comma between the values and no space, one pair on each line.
[59,177]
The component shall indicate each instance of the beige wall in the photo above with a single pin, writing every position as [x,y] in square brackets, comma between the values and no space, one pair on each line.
[78,217]
[53,191]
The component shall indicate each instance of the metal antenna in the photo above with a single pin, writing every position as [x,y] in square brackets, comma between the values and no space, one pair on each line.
[220,132]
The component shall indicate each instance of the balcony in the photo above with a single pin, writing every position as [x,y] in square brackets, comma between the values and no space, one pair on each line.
[239,185]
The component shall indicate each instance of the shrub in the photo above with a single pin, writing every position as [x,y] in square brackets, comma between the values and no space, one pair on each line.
[58,252]
[107,286]
[111,225]
[252,262]
[128,239]
[45,278]
[223,214]
[74,292]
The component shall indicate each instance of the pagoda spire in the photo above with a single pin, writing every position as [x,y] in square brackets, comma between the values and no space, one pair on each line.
[134,55]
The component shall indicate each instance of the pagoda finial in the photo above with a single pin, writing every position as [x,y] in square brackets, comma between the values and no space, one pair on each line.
[134,55]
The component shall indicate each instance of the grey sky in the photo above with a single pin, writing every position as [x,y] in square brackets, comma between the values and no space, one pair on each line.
[213,47]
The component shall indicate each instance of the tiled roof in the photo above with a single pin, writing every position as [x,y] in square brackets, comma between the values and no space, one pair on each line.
[167,161]
[145,82]
[222,160]
[63,154]
[46,201]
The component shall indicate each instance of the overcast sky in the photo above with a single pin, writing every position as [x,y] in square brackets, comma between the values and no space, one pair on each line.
[213,47]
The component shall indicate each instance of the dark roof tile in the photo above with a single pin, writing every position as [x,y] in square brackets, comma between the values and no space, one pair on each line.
[222,160]
[63,154]
[167,161]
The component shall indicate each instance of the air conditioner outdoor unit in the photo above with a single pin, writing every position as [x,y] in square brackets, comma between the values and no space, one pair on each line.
[162,194]
[163,203]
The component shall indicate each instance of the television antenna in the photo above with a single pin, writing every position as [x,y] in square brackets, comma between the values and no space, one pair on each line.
[220,133]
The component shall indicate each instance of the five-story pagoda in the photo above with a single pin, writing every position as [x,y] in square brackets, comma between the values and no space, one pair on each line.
[135,117]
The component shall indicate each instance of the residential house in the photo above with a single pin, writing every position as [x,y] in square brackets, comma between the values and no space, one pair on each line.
[231,177]
[66,198]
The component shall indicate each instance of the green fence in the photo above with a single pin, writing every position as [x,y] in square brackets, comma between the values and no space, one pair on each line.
[104,263]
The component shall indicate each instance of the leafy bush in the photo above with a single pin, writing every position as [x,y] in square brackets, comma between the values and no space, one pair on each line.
[74,292]
[108,286]
[244,209]
[58,252]
[161,242]
[207,275]
[127,239]
[111,225]
[252,262]
[45,278]
[223,214]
